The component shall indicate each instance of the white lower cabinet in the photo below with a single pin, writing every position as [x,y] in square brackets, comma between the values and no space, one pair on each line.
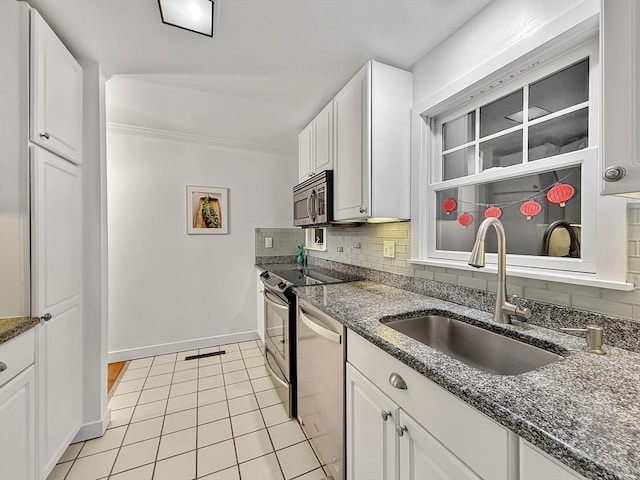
[17,408]
[384,442]
[536,465]
[424,432]
[371,433]
[444,438]
[57,299]
[259,305]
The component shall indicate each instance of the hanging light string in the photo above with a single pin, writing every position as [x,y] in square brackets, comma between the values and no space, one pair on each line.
[540,194]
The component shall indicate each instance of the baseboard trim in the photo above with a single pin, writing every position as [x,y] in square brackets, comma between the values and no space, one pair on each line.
[163,348]
[93,429]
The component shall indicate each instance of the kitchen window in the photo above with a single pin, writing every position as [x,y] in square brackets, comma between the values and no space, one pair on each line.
[524,149]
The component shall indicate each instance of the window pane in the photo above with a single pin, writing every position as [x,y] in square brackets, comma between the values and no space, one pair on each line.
[561,135]
[502,151]
[459,131]
[459,163]
[555,231]
[493,117]
[561,90]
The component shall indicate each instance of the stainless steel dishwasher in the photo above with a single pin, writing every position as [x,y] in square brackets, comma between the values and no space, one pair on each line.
[321,371]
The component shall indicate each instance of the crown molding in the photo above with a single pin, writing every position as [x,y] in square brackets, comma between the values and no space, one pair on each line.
[192,138]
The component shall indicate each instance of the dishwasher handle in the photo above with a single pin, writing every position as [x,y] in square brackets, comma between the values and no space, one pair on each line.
[319,329]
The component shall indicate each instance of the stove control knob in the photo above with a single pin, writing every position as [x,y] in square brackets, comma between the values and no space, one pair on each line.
[282,285]
[264,274]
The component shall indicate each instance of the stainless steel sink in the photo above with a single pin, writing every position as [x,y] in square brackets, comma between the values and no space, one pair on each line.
[477,347]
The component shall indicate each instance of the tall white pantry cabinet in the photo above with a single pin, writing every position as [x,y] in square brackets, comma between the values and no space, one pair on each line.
[47,91]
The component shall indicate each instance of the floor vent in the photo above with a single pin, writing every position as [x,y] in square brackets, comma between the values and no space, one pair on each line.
[204,355]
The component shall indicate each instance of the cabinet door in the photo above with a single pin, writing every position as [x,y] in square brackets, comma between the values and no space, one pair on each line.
[305,145]
[56,93]
[621,96]
[352,147]
[323,140]
[17,431]
[422,456]
[57,251]
[371,438]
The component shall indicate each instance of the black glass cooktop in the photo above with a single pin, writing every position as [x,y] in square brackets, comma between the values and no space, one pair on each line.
[305,276]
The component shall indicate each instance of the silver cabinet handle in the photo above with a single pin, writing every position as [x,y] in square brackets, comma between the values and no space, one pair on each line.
[3,366]
[46,317]
[400,429]
[614,173]
[45,135]
[385,415]
[397,381]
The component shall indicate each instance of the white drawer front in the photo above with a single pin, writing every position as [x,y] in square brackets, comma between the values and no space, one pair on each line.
[17,354]
[473,437]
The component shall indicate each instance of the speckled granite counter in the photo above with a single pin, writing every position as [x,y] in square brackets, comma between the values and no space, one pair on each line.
[13,326]
[583,410]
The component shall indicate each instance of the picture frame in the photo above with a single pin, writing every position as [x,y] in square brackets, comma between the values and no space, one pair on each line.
[207,212]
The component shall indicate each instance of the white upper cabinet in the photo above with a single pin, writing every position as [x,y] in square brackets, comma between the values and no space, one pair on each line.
[372,144]
[620,38]
[56,93]
[315,145]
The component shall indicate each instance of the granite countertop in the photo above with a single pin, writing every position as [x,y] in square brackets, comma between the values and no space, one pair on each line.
[583,410]
[13,326]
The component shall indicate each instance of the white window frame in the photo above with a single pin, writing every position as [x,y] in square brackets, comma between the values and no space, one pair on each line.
[603,260]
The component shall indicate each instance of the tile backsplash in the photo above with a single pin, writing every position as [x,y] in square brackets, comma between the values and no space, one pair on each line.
[285,241]
[362,246]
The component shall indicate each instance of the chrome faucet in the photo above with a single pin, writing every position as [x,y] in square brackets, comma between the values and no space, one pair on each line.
[504,308]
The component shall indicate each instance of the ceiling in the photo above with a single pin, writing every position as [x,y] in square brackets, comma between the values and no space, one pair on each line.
[293,53]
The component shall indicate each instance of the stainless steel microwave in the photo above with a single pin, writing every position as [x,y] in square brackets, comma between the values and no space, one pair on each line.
[313,201]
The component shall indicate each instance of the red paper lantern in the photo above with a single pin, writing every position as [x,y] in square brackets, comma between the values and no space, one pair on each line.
[560,193]
[530,209]
[449,205]
[493,212]
[465,219]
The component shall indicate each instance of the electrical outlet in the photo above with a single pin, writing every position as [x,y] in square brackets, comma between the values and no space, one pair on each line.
[389,249]
[356,244]
[268,242]
[339,249]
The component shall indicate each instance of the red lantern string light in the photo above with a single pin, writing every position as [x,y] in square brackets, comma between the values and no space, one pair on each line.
[449,205]
[560,193]
[495,212]
[530,209]
[465,219]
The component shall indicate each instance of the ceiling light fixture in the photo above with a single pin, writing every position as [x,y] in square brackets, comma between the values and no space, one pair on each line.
[193,15]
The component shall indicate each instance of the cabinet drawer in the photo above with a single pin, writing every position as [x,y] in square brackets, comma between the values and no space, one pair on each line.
[17,354]
[473,437]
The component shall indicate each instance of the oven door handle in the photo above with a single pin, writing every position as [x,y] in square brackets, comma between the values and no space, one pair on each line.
[319,329]
[271,300]
[272,372]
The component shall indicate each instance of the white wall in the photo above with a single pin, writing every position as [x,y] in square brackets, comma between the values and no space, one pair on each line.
[500,33]
[146,103]
[96,415]
[168,290]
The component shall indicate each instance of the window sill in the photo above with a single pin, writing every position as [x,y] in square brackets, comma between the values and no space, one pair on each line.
[586,279]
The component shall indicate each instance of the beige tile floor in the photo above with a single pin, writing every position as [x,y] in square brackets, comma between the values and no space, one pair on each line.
[213,418]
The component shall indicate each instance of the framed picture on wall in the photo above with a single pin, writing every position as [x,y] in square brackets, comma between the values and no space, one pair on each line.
[207,212]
